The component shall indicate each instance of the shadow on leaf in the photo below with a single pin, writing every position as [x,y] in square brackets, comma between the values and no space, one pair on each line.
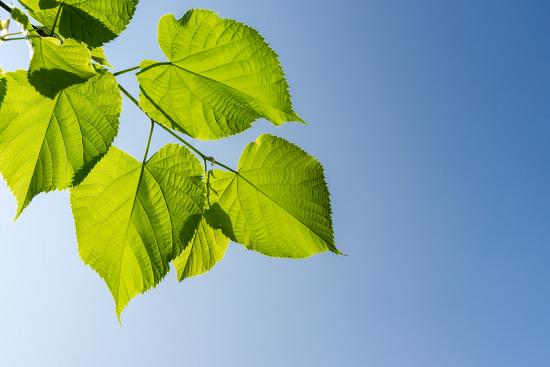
[82,173]
[214,216]
[47,4]
[49,82]
[217,218]
[77,24]
[3,89]
[189,228]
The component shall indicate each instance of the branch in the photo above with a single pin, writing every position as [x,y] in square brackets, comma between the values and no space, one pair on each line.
[5,7]
[183,141]
[126,70]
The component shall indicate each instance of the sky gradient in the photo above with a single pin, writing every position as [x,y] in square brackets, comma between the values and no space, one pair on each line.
[432,121]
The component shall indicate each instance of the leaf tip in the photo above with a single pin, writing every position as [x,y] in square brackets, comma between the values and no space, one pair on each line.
[118,309]
[300,120]
[337,252]
[20,207]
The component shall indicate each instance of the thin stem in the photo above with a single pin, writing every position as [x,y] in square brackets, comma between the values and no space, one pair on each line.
[135,101]
[148,142]
[5,7]
[169,131]
[56,18]
[130,97]
[225,166]
[11,34]
[13,39]
[207,173]
[126,71]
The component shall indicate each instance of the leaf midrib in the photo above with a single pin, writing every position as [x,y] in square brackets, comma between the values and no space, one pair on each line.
[232,89]
[239,174]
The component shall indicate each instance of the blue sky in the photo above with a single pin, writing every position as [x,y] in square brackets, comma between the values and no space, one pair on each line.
[432,121]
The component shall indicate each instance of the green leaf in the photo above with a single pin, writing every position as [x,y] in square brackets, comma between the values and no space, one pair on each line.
[128,217]
[203,250]
[93,22]
[4,26]
[278,202]
[48,144]
[98,55]
[221,77]
[56,66]
[21,18]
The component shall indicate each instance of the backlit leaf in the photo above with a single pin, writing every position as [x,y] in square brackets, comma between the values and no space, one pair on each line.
[98,55]
[278,203]
[129,216]
[48,144]
[21,18]
[203,250]
[93,22]
[220,77]
[56,66]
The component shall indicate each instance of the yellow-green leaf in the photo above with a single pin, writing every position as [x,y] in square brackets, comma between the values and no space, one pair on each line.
[203,250]
[129,216]
[220,77]
[278,203]
[56,66]
[93,22]
[48,144]
[98,55]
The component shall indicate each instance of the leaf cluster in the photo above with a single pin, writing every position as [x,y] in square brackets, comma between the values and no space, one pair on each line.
[134,218]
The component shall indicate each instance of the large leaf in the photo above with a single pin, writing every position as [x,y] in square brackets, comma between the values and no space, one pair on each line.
[129,216]
[278,202]
[204,249]
[221,77]
[94,22]
[55,65]
[48,144]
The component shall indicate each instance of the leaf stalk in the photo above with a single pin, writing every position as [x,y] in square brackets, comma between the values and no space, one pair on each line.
[126,71]
[179,138]
[5,7]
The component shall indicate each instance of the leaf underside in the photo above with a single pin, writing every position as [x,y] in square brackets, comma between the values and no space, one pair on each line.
[220,77]
[129,216]
[278,203]
[93,22]
[49,144]
[204,249]
[56,66]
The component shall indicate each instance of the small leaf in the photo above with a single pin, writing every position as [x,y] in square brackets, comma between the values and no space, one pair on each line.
[278,203]
[220,78]
[4,26]
[93,22]
[128,217]
[48,144]
[21,18]
[56,66]
[98,55]
[203,250]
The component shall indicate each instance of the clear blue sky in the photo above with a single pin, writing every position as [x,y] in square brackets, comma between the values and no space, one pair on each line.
[432,120]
